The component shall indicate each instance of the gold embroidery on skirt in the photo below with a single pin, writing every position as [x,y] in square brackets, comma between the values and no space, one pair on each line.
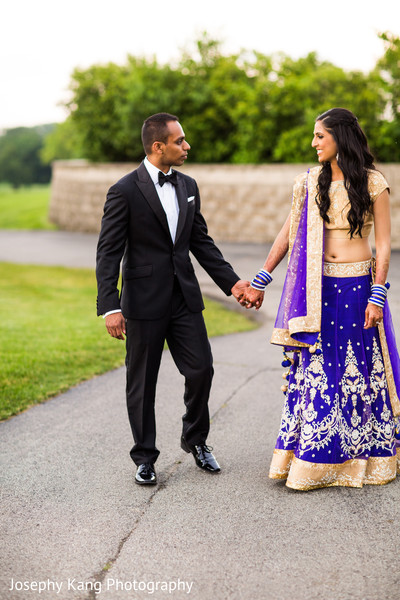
[300,427]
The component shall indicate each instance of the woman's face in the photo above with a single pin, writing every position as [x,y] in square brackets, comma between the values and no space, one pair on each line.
[324,143]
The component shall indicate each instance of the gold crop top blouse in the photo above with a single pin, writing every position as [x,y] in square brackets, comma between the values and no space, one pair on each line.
[338,226]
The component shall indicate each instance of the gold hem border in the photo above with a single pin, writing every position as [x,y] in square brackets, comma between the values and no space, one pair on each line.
[304,475]
[312,321]
[394,399]
[281,337]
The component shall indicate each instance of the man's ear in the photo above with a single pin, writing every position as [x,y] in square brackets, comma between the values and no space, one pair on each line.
[158,147]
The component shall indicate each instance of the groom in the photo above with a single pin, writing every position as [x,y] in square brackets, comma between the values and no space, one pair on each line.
[152,220]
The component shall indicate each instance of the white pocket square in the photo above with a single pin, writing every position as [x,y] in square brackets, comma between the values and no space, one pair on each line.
[190,199]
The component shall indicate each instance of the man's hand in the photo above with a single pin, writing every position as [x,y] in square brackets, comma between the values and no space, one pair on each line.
[244,295]
[115,324]
[239,289]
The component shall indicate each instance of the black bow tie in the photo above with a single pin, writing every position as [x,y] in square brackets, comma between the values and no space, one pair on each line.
[167,178]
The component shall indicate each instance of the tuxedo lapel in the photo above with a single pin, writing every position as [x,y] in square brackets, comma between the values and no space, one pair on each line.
[181,194]
[148,190]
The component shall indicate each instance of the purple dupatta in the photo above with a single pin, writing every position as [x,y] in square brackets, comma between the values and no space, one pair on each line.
[298,321]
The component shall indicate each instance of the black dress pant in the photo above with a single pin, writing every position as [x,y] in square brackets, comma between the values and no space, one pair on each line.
[187,339]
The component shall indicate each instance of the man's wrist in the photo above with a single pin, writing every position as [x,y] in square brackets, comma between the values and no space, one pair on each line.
[111,312]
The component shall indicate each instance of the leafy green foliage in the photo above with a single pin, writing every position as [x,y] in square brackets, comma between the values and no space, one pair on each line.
[242,108]
[63,142]
[20,162]
[388,70]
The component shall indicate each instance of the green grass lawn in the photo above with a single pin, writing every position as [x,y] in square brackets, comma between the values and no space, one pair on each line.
[25,207]
[51,339]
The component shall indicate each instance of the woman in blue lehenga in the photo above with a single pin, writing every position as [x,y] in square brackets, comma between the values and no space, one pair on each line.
[343,370]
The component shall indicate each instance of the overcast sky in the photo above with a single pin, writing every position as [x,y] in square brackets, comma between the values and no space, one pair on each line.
[42,41]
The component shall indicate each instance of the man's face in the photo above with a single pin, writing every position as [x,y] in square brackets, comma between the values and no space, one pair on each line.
[175,151]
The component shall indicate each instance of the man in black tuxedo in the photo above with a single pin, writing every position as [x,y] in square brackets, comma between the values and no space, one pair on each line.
[152,220]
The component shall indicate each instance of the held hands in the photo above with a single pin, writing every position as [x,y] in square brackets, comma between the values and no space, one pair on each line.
[115,324]
[373,315]
[239,289]
[254,294]
[252,298]
[246,295]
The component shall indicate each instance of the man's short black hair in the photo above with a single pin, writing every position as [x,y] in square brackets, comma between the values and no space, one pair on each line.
[155,129]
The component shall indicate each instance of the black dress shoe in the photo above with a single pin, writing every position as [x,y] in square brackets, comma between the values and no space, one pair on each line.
[146,475]
[202,456]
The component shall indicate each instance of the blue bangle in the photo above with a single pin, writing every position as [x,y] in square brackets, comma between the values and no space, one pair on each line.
[378,294]
[373,300]
[261,280]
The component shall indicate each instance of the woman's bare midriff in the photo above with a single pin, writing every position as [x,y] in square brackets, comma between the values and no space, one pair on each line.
[347,251]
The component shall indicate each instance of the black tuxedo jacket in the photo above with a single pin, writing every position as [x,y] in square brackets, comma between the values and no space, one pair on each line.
[134,227]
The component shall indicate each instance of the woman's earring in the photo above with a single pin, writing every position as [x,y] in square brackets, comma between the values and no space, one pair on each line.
[337,156]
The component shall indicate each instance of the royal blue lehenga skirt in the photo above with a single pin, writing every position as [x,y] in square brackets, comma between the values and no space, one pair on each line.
[337,424]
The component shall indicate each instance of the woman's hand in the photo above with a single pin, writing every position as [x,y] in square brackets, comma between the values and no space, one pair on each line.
[373,315]
[252,297]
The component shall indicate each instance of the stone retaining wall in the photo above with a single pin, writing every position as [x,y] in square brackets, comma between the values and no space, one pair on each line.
[241,203]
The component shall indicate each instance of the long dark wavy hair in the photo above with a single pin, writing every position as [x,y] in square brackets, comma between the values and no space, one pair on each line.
[354,159]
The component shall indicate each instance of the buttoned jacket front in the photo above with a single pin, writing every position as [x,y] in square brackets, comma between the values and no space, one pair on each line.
[135,229]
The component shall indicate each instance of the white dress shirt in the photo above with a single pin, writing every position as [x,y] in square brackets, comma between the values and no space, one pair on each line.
[169,201]
[167,195]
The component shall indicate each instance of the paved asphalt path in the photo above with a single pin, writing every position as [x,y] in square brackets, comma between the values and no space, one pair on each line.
[73,521]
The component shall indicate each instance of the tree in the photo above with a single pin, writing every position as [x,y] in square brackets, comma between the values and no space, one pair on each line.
[216,95]
[388,68]
[306,88]
[97,94]
[20,162]
[63,142]
[242,108]
[149,89]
